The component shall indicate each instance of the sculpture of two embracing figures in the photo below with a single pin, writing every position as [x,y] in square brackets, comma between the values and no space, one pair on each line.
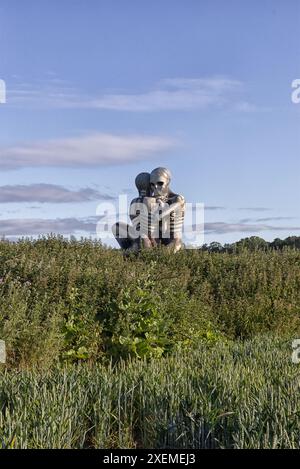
[156,215]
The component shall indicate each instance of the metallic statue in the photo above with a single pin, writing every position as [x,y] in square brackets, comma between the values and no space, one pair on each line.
[126,235]
[157,215]
[171,207]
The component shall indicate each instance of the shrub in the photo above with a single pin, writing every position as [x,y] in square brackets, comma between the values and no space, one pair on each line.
[78,300]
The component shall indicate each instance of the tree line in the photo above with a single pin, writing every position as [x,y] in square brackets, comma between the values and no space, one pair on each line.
[253,243]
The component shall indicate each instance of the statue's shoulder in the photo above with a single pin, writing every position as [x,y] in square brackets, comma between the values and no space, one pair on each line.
[137,200]
[176,198]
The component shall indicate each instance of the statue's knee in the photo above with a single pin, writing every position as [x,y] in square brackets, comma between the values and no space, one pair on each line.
[120,230]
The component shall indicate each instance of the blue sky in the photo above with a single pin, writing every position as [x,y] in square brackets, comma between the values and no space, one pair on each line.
[98,91]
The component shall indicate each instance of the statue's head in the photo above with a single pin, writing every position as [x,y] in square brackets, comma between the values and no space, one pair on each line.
[160,181]
[142,182]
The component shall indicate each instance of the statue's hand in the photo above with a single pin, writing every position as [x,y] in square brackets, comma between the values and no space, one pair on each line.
[176,199]
[149,202]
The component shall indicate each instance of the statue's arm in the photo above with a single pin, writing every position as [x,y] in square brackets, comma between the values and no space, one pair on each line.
[175,203]
[133,213]
[177,199]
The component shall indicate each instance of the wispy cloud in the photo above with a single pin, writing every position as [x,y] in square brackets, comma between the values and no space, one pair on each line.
[49,193]
[97,149]
[213,207]
[223,227]
[52,93]
[40,226]
[172,94]
[245,106]
[267,219]
[209,207]
[67,226]
[255,209]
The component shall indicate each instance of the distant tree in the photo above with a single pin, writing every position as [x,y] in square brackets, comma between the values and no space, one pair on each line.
[277,244]
[253,243]
[215,247]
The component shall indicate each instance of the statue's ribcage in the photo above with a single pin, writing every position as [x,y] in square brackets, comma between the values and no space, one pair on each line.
[156,225]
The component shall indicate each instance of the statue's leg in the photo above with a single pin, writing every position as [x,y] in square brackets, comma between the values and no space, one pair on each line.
[127,240]
[121,232]
[146,242]
[173,244]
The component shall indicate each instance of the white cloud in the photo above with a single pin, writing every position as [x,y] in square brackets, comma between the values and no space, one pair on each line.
[172,94]
[266,219]
[49,193]
[98,149]
[255,209]
[39,226]
[223,227]
[245,106]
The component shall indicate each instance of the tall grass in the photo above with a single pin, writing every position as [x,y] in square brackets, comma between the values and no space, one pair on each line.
[239,395]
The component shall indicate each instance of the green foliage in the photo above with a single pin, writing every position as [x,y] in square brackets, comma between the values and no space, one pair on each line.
[156,350]
[136,326]
[78,301]
[81,332]
[254,243]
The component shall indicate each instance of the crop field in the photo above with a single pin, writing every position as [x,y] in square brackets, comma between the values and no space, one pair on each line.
[192,350]
[226,396]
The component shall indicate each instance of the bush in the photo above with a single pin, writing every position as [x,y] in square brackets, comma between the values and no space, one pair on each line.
[79,301]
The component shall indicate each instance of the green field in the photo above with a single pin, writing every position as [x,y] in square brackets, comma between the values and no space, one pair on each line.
[236,396]
[191,350]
